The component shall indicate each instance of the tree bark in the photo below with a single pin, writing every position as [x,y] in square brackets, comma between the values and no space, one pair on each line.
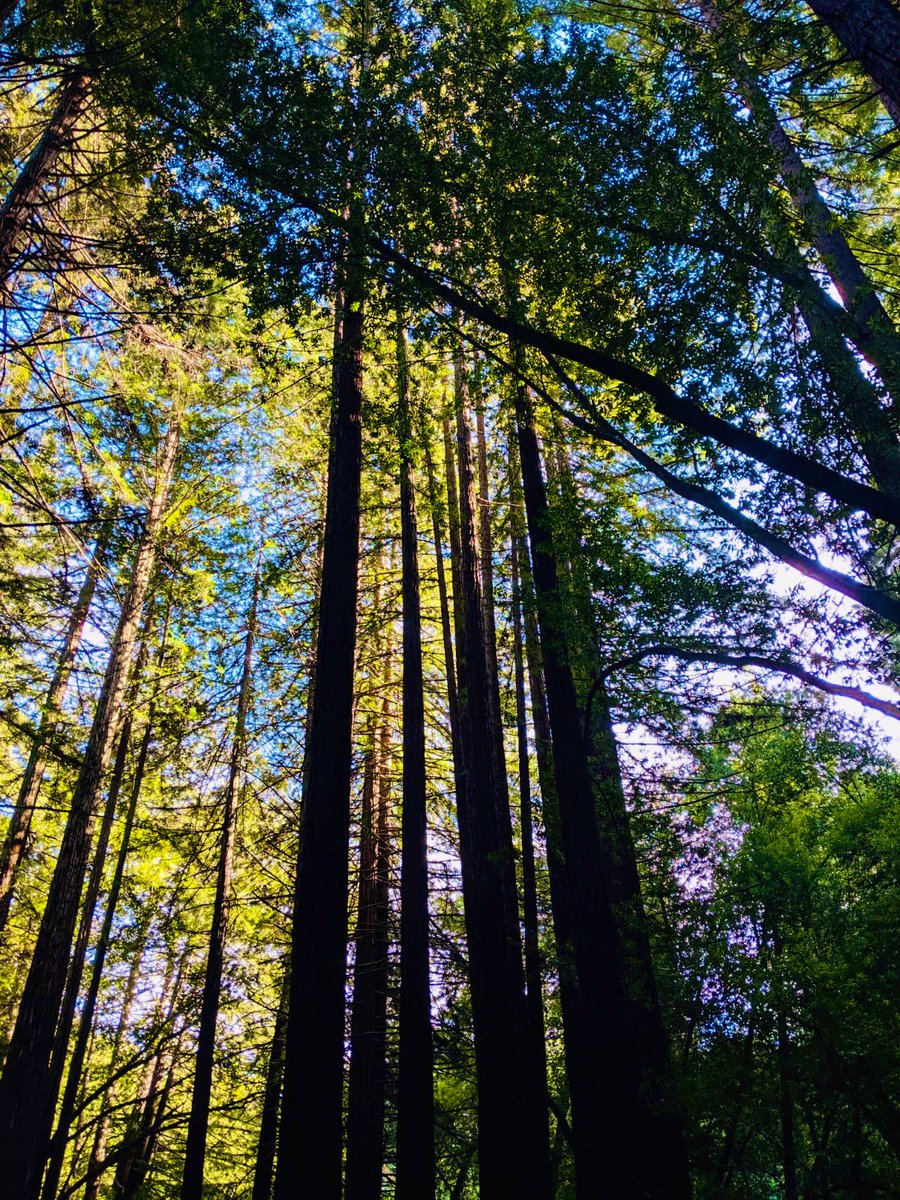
[103,943]
[617,844]
[625,1159]
[102,1129]
[368,1019]
[16,843]
[25,1101]
[534,999]
[264,1169]
[870,32]
[415,1172]
[513,1159]
[877,337]
[264,1166]
[76,968]
[24,195]
[486,562]
[131,1156]
[309,1158]
[198,1122]
[578,1058]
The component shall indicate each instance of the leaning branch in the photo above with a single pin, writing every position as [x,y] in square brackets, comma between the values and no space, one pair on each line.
[805,470]
[873,598]
[741,660]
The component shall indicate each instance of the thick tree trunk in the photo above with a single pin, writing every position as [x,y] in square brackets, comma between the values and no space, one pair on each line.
[264,1169]
[415,1172]
[25,1100]
[24,196]
[870,32]
[309,1158]
[861,413]
[579,1070]
[368,1019]
[16,843]
[513,1158]
[626,1160]
[198,1122]
[644,1010]
[76,968]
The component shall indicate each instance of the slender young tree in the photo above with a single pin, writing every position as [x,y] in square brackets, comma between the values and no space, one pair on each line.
[98,1145]
[132,1156]
[264,1164]
[100,954]
[77,965]
[531,931]
[20,822]
[367,1080]
[25,1086]
[878,339]
[415,1173]
[198,1123]
[24,197]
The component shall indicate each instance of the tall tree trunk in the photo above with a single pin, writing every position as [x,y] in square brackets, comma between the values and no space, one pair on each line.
[533,984]
[625,1160]
[415,1173]
[618,850]
[264,1167]
[486,560]
[870,32]
[139,1126]
[513,1158]
[446,629]
[877,338]
[16,843]
[140,1160]
[368,1018]
[25,1100]
[101,1131]
[198,1122]
[76,968]
[579,1071]
[23,197]
[309,1158]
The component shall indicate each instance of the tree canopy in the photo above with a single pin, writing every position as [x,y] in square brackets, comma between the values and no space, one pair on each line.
[449,489]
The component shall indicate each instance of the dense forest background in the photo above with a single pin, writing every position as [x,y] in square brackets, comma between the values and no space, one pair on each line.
[449,494]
